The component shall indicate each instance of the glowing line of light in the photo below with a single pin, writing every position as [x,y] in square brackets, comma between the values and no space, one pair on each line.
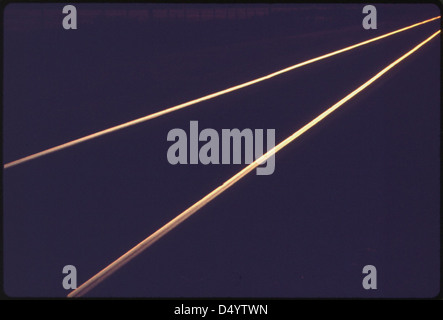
[207,97]
[139,248]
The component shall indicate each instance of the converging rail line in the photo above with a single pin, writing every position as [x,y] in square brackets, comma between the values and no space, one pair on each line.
[204,98]
[143,245]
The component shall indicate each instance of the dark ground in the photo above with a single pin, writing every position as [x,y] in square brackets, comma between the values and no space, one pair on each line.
[360,188]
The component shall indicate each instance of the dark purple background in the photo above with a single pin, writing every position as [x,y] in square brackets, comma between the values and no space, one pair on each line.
[360,188]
